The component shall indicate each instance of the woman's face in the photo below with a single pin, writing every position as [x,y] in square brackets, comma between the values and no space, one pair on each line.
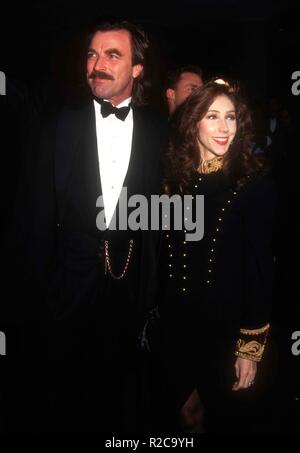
[217,129]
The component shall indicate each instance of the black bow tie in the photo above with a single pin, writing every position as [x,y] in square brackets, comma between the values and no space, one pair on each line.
[107,108]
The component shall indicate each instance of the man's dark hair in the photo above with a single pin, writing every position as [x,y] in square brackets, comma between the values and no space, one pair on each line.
[140,53]
[174,74]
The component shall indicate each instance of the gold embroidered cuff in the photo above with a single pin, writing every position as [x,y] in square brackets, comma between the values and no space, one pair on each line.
[251,344]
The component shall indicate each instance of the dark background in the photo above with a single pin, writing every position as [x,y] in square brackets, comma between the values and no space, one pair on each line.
[256,42]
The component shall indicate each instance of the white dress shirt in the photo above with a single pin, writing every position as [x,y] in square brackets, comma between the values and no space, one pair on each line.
[114,141]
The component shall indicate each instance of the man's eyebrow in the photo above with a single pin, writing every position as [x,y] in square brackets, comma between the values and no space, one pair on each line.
[108,51]
[114,50]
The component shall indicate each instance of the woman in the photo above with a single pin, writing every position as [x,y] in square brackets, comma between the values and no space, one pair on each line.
[216,292]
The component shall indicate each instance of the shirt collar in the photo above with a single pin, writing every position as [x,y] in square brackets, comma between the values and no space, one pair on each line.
[123,104]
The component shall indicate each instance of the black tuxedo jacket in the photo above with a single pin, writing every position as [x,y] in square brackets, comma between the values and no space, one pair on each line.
[56,214]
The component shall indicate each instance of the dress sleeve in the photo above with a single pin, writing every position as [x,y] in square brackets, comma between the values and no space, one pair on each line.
[258,211]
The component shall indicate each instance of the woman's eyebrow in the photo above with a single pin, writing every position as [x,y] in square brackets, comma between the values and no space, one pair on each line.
[217,111]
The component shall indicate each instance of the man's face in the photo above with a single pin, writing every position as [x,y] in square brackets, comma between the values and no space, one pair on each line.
[110,73]
[188,82]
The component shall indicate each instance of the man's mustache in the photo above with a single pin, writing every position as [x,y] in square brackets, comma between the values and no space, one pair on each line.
[100,75]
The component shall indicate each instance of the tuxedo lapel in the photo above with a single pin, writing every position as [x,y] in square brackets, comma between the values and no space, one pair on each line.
[77,174]
[136,177]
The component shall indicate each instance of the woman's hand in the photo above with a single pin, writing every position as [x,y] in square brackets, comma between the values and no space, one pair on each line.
[245,371]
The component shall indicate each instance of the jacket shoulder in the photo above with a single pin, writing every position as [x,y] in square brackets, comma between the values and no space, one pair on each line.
[259,190]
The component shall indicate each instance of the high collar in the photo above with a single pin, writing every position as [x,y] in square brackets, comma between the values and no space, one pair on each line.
[211,165]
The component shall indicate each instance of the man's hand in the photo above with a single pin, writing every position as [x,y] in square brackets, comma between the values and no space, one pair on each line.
[245,371]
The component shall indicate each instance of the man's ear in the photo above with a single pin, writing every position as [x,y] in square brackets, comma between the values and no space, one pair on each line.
[170,94]
[137,70]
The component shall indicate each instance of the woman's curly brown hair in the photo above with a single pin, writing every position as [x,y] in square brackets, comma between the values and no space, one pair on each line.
[182,158]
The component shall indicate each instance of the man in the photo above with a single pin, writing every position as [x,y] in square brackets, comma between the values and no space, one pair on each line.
[181,82]
[99,283]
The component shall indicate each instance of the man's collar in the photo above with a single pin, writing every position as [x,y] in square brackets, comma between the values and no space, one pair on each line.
[124,103]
